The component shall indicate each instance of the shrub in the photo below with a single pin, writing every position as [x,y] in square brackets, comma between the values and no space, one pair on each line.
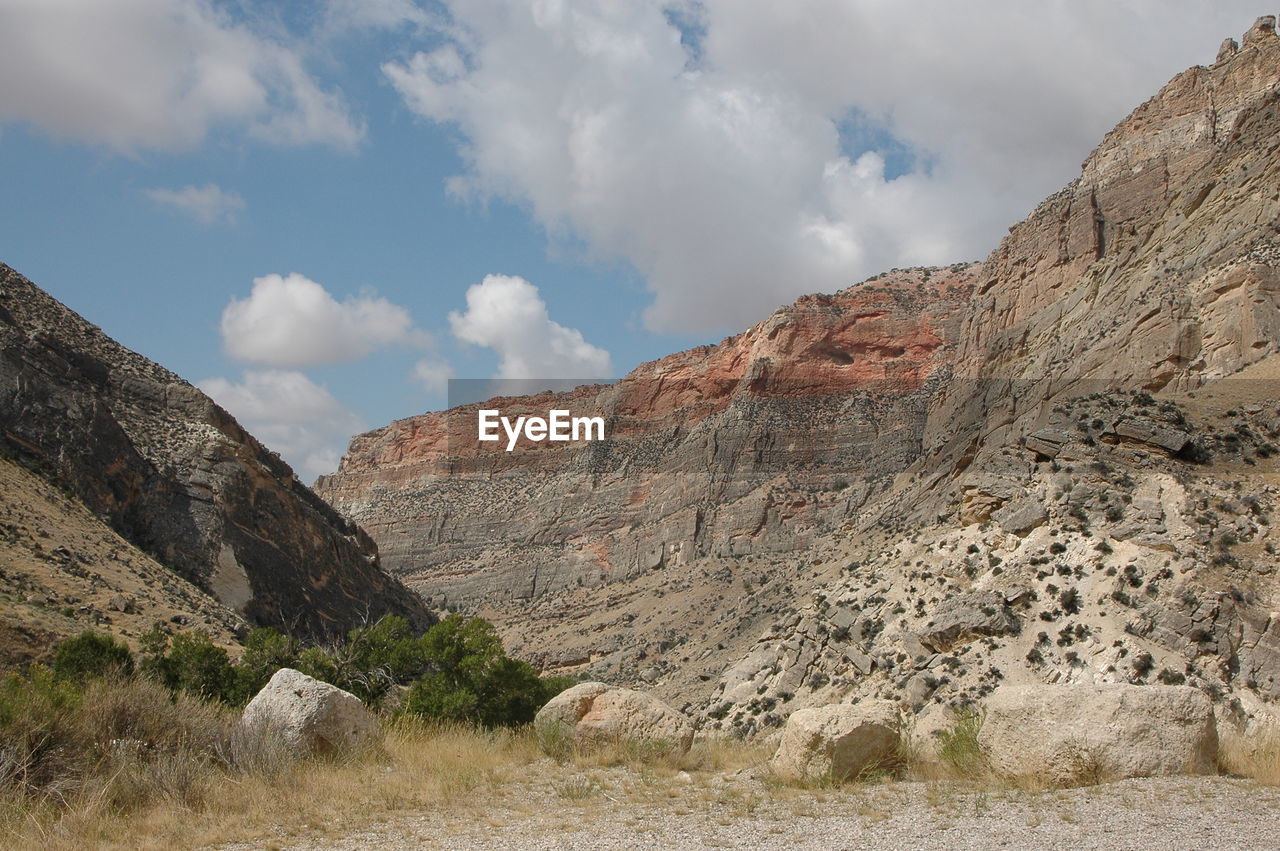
[191,662]
[92,654]
[42,751]
[265,652]
[470,678]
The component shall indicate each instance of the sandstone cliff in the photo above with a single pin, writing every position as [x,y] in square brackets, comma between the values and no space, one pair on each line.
[175,475]
[1056,465]
[756,445]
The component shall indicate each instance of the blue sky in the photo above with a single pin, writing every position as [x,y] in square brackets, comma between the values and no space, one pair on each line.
[319,211]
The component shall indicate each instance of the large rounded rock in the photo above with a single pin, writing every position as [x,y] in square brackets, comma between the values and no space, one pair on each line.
[595,713]
[310,716]
[1082,733]
[839,742]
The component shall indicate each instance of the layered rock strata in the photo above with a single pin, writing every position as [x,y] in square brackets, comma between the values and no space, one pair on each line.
[757,445]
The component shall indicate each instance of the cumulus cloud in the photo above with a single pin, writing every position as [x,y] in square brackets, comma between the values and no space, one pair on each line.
[508,315]
[206,204]
[293,321]
[290,414]
[158,74]
[741,152]
[433,375]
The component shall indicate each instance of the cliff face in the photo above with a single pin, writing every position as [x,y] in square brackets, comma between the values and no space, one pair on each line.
[175,474]
[1056,465]
[756,445]
[1155,270]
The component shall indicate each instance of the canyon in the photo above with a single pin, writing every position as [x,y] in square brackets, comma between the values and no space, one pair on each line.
[1053,465]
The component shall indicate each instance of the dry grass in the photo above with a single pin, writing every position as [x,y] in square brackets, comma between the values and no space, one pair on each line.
[1256,756]
[153,792]
[710,756]
[177,774]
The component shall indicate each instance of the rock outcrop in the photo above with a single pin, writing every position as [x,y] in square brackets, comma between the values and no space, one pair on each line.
[174,474]
[1064,734]
[308,716]
[838,742]
[592,714]
[1155,269]
[752,446]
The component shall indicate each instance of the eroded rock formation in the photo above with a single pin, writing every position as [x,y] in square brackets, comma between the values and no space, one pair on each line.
[756,445]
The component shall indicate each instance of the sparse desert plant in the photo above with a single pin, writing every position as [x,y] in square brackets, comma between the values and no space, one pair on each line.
[578,788]
[958,747]
[1085,766]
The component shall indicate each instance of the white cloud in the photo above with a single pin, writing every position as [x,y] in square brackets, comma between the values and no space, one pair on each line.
[158,74]
[291,414]
[433,375]
[293,321]
[509,316]
[722,167]
[206,204]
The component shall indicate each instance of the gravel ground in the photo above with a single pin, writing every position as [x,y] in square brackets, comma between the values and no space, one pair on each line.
[618,809]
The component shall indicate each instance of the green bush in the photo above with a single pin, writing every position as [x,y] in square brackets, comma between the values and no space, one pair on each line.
[191,662]
[265,652]
[471,679]
[92,654]
[457,669]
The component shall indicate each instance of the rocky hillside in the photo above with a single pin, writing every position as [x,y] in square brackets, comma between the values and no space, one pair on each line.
[757,445]
[174,475]
[1058,465]
[62,571]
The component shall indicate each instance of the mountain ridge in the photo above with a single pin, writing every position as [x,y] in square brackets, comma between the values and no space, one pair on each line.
[177,476]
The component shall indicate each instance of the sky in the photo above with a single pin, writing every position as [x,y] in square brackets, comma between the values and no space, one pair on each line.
[321,211]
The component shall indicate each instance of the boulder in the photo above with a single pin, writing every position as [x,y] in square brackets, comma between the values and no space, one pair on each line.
[840,741]
[596,713]
[966,616]
[311,717]
[1149,431]
[1082,733]
[1021,516]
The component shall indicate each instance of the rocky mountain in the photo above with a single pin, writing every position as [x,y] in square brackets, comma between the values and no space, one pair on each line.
[1056,465]
[176,478]
[756,445]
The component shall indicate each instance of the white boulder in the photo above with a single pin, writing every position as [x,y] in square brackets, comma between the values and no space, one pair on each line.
[312,717]
[1082,733]
[593,713]
[839,742]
